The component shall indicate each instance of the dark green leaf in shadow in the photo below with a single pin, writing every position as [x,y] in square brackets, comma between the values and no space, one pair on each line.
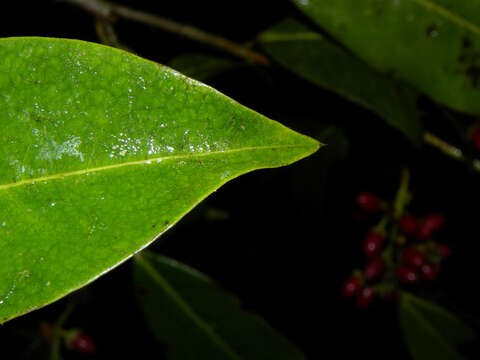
[101,152]
[430,331]
[202,67]
[432,44]
[196,320]
[315,58]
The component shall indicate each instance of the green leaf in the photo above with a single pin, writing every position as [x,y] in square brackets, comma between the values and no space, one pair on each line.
[317,59]
[196,320]
[430,331]
[202,67]
[100,153]
[433,44]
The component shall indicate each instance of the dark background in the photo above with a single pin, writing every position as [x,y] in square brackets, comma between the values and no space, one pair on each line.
[292,237]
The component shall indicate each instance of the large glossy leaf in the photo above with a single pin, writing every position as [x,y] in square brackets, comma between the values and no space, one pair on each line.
[430,331]
[100,153]
[196,320]
[433,44]
[317,59]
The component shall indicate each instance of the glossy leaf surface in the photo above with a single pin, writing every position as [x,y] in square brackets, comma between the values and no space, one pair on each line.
[183,306]
[433,44]
[317,59]
[100,153]
[430,331]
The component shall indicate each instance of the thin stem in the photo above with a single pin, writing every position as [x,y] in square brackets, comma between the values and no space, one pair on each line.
[107,35]
[402,199]
[58,329]
[108,10]
[97,8]
[403,196]
[449,150]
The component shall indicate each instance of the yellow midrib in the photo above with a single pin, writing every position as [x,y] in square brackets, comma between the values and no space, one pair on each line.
[140,162]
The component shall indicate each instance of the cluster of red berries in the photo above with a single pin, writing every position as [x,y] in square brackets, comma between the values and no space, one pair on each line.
[410,255]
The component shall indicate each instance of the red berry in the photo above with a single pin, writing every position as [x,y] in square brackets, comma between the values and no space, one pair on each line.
[429,271]
[412,257]
[406,275]
[475,136]
[444,250]
[82,344]
[372,244]
[434,221]
[365,298]
[351,287]
[374,269]
[368,202]
[424,232]
[429,225]
[408,224]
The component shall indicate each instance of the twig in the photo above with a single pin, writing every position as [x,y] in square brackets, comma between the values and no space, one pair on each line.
[57,330]
[449,150]
[106,34]
[109,10]
[403,196]
[94,7]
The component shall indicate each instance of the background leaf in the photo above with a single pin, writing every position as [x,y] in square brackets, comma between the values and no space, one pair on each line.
[182,306]
[315,58]
[100,153]
[431,44]
[430,331]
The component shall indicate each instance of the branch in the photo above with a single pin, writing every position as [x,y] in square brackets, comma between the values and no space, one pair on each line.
[106,34]
[104,9]
[449,150]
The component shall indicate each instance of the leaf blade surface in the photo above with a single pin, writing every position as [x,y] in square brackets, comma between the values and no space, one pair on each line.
[431,331]
[432,44]
[183,306]
[317,59]
[100,153]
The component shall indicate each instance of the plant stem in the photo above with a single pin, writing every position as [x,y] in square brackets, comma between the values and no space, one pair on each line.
[58,329]
[449,150]
[403,196]
[401,201]
[106,34]
[104,9]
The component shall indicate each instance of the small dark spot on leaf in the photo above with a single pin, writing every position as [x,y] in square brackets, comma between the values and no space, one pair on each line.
[432,31]
[153,226]
[466,43]
[166,223]
[473,72]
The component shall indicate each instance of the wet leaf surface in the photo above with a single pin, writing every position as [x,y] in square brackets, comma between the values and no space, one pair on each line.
[100,153]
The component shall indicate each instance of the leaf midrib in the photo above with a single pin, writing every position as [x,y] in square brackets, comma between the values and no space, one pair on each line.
[186,308]
[448,14]
[292,36]
[141,162]
[429,328]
